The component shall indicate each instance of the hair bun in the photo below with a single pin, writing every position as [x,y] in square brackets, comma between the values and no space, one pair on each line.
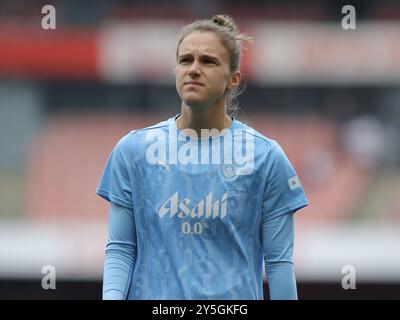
[225,21]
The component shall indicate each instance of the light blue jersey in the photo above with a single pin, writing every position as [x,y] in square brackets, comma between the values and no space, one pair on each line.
[200,211]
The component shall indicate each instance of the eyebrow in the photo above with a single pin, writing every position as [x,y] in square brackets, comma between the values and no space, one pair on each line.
[207,56]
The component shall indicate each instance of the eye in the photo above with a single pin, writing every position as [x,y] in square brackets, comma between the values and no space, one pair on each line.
[184,60]
[209,61]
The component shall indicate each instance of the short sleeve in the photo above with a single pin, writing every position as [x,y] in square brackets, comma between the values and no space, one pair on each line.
[283,190]
[115,183]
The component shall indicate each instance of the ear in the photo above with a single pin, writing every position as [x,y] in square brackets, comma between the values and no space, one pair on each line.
[234,80]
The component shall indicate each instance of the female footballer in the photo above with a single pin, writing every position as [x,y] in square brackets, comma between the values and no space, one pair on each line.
[198,202]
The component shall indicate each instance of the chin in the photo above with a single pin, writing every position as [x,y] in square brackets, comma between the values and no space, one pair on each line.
[196,104]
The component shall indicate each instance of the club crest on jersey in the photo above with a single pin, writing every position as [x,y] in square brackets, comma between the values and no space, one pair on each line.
[228,172]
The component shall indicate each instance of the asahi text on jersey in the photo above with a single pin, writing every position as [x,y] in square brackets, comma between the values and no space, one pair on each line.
[184,207]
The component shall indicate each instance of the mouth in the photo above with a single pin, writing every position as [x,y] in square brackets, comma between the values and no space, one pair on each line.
[194,83]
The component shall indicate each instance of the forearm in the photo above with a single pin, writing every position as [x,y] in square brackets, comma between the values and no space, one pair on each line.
[118,268]
[281,281]
[278,237]
[120,254]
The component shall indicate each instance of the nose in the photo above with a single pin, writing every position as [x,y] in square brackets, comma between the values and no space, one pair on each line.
[194,69]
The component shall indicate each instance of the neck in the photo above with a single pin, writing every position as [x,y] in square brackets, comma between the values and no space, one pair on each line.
[213,117]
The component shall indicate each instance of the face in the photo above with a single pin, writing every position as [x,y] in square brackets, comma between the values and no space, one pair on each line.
[202,71]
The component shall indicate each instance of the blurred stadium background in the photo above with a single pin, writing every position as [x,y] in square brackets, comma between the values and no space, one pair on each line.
[330,96]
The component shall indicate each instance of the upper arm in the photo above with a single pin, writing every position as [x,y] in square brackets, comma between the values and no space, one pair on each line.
[116,182]
[283,191]
[121,225]
[278,238]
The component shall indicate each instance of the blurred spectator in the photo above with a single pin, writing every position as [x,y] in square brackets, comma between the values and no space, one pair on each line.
[319,165]
[364,139]
[389,111]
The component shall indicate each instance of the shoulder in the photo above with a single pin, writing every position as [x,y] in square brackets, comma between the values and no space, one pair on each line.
[136,137]
[262,143]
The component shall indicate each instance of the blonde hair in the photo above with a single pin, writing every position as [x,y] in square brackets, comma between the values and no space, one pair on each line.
[225,27]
